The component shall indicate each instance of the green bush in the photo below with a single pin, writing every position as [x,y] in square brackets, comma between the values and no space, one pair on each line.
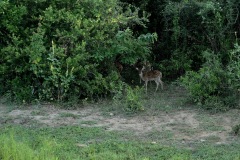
[54,50]
[233,68]
[213,86]
[128,98]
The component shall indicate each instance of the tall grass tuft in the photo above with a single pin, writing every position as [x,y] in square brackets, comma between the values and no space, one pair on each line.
[12,149]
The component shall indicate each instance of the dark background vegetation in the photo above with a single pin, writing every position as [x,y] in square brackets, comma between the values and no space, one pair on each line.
[52,50]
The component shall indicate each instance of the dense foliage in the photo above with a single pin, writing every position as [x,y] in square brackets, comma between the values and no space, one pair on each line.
[60,50]
[199,41]
[57,50]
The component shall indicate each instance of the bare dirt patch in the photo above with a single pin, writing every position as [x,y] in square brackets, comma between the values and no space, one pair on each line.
[186,125]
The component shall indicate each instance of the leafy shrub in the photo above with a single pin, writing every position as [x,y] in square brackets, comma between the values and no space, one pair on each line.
[21,94]
[210,86]
[233,68]
[130,99]
[56,50]
[134,99]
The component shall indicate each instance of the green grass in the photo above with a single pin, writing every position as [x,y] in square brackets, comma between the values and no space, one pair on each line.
[88,122]
[68,115]
[14,149]
[220,152]
[73,142]
[38,113]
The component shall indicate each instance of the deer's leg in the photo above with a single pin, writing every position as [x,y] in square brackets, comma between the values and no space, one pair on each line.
[160,81]
[146,83]
[157,86]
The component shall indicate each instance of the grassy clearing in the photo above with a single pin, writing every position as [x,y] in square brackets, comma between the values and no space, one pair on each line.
[79,143]
[31,140]
[73,142]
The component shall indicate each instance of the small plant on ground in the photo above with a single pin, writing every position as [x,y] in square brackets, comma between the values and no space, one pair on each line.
[130,99]
[236,129]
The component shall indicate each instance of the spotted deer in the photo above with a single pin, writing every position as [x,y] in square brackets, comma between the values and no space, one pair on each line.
[139,65]
[152,75]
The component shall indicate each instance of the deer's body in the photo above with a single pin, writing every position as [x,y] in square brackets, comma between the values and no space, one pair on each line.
[152,75]
[139,65]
